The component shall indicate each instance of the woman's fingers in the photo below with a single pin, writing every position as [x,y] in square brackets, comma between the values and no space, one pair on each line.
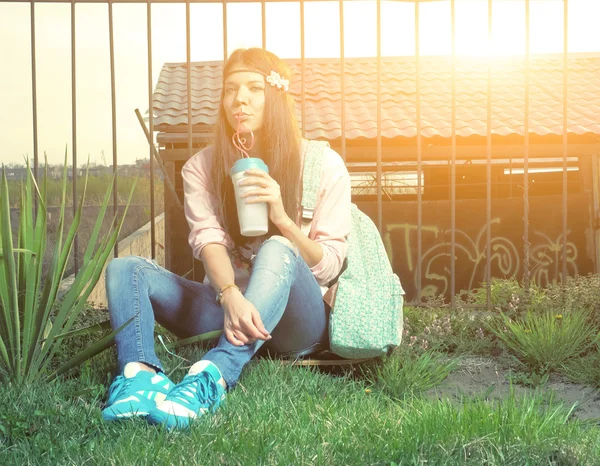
[241,336]
[231,338]
[244,333]
[260,198]
[256,192]
[254,180]
[257,321]
[251,330]
[258,174]
[243,325]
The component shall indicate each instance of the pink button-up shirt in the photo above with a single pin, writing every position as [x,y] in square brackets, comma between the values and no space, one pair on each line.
[330,226]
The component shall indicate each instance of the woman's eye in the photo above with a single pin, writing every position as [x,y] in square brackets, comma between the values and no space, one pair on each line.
[230,89]
[257,89]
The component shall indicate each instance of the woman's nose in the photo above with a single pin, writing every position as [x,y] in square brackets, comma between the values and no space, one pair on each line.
[241,96]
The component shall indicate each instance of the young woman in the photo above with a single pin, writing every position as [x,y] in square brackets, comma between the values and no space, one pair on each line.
[261,291]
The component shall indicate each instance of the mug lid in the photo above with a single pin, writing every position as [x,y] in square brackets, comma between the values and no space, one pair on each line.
[248,163]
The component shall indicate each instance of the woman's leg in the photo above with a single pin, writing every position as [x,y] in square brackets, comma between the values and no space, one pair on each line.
[281,281]
[139,289]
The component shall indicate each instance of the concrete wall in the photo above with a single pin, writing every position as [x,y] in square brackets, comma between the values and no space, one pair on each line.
[136,244]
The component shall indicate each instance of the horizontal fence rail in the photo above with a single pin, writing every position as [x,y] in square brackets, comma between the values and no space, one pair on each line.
[419,154]
[198,1]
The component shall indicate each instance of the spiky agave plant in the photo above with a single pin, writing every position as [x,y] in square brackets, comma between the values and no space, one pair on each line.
[33,321]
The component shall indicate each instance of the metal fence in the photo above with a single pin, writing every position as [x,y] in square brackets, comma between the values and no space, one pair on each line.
[419,141]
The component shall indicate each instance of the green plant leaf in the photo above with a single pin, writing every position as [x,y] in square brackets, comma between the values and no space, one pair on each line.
[53,277]
[91,329]
[19,251]
[90,351]
[10,329]
[57,276]
[25,238]
[98,225]
[195,339]
[34,276]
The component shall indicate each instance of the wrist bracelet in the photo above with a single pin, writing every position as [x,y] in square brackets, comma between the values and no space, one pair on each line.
[220,292]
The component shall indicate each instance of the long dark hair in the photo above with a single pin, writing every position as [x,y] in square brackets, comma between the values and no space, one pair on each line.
[279,137]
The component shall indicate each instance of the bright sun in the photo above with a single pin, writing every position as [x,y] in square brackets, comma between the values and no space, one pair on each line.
[322,33]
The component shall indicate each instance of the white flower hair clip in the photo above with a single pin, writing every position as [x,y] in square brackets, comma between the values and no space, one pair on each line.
[275,79]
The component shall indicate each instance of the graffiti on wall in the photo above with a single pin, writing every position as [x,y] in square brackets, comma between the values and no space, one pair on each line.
[546,256]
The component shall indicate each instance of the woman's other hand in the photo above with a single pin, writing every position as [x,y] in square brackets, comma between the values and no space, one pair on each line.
[243,325]
[265,189]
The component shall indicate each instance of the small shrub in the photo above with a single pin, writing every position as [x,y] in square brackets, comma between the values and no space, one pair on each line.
[579,292]
[456,331]
[406,372]
[584,370]
[508,296]
[532,380]
[545,341]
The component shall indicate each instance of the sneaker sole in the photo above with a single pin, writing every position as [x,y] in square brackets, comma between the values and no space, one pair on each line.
[110,414]
[169,421]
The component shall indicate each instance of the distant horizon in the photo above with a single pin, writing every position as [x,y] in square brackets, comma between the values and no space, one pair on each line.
[94,133]
[41,163]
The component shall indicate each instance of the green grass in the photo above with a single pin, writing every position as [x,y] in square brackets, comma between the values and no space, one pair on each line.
[379,414]
[585,370]
[406,372]
[290,415]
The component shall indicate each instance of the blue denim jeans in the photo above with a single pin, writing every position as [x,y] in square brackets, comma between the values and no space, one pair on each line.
[281,287]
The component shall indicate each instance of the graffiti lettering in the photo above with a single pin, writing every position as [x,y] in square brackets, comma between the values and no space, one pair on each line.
[407,227]
[471,256]
[547,258]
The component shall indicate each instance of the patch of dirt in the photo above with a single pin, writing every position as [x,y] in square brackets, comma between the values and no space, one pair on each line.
[475,377]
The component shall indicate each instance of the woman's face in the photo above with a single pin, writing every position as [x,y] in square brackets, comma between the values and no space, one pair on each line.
[244,94]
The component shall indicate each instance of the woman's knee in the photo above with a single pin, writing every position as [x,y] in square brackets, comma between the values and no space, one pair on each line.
[278,256]
[120,269]
[278,244]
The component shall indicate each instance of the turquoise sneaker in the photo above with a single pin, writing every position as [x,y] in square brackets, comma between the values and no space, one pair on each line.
[135,393]
[200,392]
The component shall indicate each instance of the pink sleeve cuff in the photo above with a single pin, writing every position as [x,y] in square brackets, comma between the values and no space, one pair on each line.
[330,265]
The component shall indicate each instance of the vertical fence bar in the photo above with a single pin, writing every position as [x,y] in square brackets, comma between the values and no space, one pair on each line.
[188,59]
[302,71]
[419,152]
[113,106]
[224,32]
[595,209]
[34,99]
[488,191]
[188,76]
[263,16]
[565,135]
[453,162]
[151,127]
[526,158]
[379,190]
[74,129]
[343,79]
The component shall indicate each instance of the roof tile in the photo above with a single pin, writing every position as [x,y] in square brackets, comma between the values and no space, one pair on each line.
[323,95]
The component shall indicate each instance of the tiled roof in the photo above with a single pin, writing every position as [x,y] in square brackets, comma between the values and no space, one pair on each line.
[398,96]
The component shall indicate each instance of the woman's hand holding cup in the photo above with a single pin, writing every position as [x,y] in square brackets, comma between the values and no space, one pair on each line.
[265,189]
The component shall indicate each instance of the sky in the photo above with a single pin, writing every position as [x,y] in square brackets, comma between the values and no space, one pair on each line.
[94,133]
